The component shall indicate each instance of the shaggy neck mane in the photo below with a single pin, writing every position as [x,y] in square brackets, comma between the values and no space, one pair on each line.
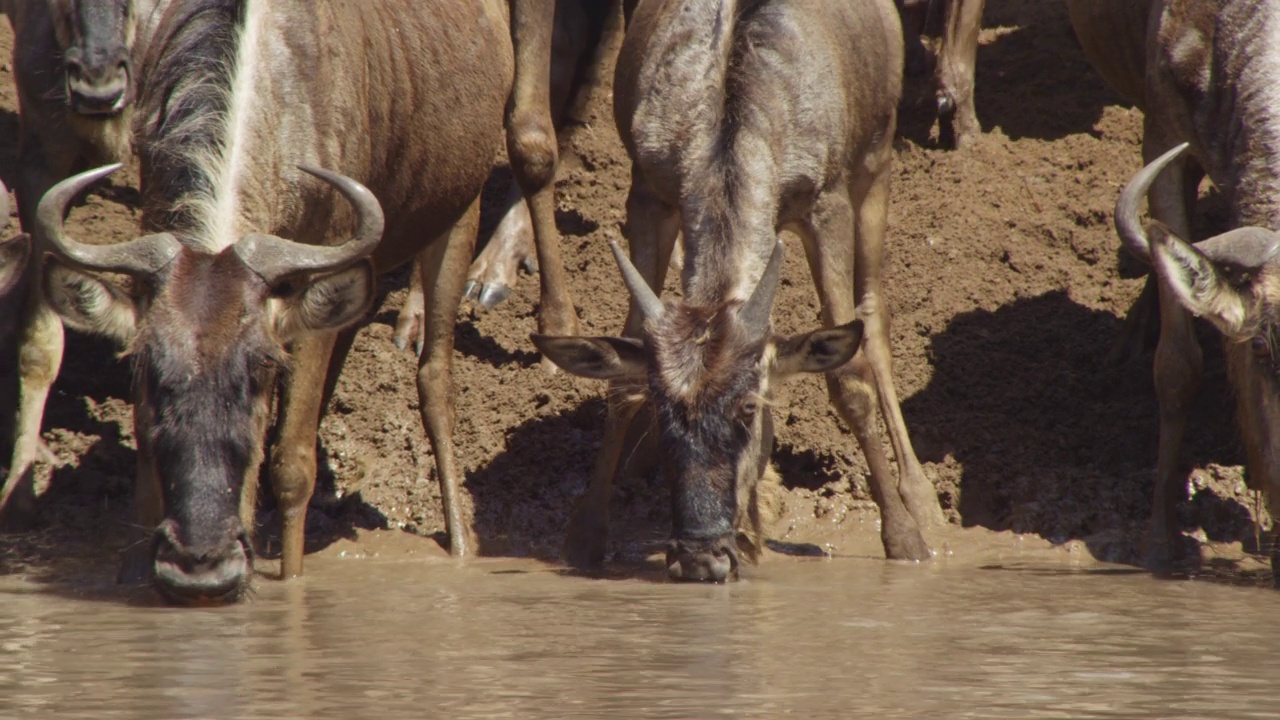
[732,204]
[196,104]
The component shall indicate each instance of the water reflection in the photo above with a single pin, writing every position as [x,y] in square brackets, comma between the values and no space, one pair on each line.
[846,638]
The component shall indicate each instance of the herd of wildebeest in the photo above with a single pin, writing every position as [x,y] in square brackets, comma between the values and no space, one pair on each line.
[291,151]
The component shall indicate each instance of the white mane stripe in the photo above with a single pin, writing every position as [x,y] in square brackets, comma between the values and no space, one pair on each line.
[217,215]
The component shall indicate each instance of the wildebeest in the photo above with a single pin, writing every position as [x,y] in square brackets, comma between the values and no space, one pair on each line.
[744,117]
[76,80]
[250,271]
[1204,72]
[956,61]
[556,42]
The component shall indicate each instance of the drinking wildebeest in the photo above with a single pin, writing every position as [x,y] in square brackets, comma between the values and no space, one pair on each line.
[250,267]
[743,118]
[1204,72]
[74,69]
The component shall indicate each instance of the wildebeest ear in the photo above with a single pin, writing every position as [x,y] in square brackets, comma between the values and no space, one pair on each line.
[1197,282]
[331,302]
[818,351]
[89,303]
[600,358]
[14,255]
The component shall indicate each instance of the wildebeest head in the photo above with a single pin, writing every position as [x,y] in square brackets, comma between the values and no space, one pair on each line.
[1233,281]
[706,372]
[206,333]
[96,38]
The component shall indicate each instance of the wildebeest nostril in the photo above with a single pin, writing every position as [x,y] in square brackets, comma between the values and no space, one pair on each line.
[699,562]
[187,576]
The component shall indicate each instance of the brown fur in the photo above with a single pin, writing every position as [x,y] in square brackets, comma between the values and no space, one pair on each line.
[699,351]
[743,118]
[1208,77]
[402,96]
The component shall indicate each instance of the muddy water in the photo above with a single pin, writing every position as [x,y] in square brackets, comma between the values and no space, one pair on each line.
[823,638]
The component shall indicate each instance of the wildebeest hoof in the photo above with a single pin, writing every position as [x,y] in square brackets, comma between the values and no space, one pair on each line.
[1170,555]
[137,567]
[946,105]
[909,545]
[585,544]
[491,294]
[408,326]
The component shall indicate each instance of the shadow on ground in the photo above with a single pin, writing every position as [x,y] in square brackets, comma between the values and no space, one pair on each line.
[1051,440]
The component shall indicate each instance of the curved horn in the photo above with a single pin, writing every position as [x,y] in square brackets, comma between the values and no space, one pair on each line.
[755,313]
[650,306]
[275,258]
[141,256]
[1128,226]
[1247,247]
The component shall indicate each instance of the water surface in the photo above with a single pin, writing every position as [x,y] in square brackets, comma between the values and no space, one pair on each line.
[411,638]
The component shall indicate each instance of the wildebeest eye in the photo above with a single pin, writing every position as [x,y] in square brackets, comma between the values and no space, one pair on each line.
[749,409]
[1261,347]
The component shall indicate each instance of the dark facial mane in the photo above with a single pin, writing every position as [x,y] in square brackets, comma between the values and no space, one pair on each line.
[186,93]
[203,370]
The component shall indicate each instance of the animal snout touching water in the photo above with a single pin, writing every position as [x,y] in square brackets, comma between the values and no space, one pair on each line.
[710,560]
[204,570]
[202,381]
[730,145]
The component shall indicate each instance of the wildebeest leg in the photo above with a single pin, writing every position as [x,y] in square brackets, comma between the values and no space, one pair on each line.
[444,272]
[870,214]
[651,232]
[913,14]
[510,249]
[409,325]
[531,146]
[148,505]
[830,248]
[1141,325]
[1178,366]
[39,344]
[578,29]
[957,119]
[293,456]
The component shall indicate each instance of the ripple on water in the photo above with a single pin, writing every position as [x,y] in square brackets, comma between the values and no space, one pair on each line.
[845,638]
